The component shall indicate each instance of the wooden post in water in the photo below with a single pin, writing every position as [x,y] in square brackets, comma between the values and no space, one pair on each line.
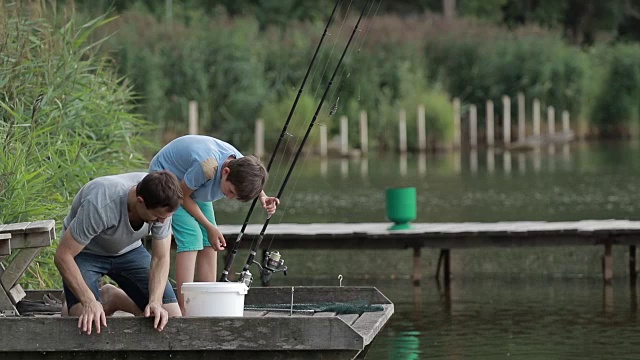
[566,128]
[490,125]
[422,129]
[402,132]
[416,276]
[536,117]
[607,264]
[193,117]
[633,268]
[364,133]
[521,117]
[506,115]
[323,141]
[457,131]
[259,152]
[551,120]
[473,126]
[344,136]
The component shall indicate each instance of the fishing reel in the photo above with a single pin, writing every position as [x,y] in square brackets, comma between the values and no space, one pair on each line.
[272,263]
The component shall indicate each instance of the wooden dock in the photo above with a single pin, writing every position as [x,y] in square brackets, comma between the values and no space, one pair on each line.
[447,236]
[257,335]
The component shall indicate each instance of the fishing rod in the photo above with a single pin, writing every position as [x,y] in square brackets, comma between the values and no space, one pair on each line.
[234,250]
[272,262]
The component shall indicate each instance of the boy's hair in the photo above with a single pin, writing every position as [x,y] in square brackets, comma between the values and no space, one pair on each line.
[248,176]
[160,189]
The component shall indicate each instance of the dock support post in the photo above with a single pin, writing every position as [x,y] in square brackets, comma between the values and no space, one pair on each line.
[633,269]
[416,277]
[607,264]
[446,256]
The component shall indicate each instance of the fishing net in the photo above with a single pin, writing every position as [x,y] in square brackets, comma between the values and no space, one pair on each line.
[351,307]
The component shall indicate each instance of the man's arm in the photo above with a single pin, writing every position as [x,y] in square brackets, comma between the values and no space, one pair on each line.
[158,275]
[92,310]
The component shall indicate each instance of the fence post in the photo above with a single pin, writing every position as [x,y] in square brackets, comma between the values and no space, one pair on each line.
[506,115]
[259,138]
[521,117]
[422,129]
[193,117]
[490,126]
[364,133]
[536,117]
[344,136]
[457,135]
[402,132]
[473,126]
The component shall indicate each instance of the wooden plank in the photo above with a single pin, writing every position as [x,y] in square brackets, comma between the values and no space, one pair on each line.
[40,226]
[253,313]
[324,314]
[16,294]
[31,240]
[313,294]
[137,334]
[349,319]
[370,323]
[17,267]
[6,306]
[14,228]
[5,244]
[185,355]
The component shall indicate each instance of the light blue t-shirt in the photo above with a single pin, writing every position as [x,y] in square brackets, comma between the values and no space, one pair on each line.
[196,159]
[99,217]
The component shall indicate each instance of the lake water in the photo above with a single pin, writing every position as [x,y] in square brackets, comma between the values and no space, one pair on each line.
[526,303]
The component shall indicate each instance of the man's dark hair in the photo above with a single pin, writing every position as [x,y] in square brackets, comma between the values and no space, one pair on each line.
[248,175]
[160,189]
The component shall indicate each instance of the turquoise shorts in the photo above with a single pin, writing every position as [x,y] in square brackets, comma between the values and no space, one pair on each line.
[189,234]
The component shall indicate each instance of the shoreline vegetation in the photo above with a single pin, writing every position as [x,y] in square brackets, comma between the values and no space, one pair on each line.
[86,95]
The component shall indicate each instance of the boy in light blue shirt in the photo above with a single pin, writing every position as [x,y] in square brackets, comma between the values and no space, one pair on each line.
[208,169]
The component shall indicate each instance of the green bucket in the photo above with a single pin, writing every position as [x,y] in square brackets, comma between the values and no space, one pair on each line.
[401,207]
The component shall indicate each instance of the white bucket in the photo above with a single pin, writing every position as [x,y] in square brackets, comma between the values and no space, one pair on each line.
[214,298]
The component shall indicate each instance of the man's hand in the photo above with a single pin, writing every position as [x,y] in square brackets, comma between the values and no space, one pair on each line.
[216,239]
[92,312]
[161,315]
[269,203]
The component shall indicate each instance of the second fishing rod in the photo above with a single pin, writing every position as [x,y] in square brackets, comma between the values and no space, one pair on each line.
[274,263]
[234,249]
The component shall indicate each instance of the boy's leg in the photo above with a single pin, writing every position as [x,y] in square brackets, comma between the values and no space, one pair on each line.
[92,267]
[207,260]
[131,272]
[188,236]
[185,267]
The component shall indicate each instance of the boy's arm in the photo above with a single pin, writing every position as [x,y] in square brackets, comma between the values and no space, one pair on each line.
[215,237]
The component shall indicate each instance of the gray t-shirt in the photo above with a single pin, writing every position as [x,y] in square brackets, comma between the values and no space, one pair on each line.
[99,217]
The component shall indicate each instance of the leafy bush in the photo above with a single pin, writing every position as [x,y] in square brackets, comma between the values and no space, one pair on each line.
[65,118]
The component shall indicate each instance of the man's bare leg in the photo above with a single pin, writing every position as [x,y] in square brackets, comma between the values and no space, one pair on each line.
[173,309]
[115,299]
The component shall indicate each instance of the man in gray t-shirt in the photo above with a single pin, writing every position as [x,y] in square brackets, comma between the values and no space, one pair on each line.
[102,236]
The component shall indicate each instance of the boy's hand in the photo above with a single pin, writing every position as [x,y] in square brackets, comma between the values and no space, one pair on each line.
[269,203]
[216,239]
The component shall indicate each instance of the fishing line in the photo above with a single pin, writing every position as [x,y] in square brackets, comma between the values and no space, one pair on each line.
[283,211]
[234,250]
[246,276]
[315,138]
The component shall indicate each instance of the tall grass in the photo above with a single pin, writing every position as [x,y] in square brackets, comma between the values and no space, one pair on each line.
[65,118]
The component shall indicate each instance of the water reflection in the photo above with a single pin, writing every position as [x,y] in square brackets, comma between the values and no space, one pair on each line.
[473,161]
